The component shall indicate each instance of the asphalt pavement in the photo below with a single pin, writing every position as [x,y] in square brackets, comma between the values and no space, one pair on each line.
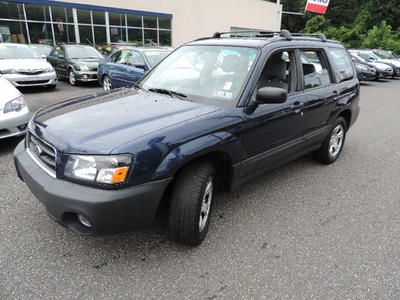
[302,231]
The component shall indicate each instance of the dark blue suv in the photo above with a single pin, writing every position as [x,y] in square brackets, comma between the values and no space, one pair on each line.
[214,114]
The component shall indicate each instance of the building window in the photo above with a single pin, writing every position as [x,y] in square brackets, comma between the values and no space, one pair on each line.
[164,23]
[116,19]
[150,22]
[11,11]
[86,34]
[40,33]
[64,33]
[134,20]
[62,15]
[37,12]
[13,32]
[118,34]
[165,38]
[99,17]
[33,23]
[100,35]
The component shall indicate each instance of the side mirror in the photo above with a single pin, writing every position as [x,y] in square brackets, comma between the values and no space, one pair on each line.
[271,95]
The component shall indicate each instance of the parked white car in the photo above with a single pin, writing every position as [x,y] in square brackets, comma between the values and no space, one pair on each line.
[23,67]
[14,112]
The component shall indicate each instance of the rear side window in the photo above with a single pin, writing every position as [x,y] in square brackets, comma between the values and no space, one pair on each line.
[342,63]
[315,69]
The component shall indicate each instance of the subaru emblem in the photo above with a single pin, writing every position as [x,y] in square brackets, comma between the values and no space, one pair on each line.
[38,150]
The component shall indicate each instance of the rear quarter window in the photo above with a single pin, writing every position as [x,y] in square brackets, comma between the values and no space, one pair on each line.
[342,63]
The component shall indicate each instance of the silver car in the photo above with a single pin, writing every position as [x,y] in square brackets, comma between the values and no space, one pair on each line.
[23,67]
[14,112]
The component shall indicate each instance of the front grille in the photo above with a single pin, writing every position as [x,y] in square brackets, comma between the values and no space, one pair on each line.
[32,82]
[34,72]
[43,152]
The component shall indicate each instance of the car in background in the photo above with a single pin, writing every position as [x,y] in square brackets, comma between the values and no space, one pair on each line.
[77,63]
[382,70]
[372,57]
[385,54]
[107,50]
[42,49]
[364,71]
[24,67]
[127,66]
[14,112]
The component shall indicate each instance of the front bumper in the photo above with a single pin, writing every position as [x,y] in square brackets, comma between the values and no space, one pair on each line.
[86,76]
[21,80]
[366,76]
[109,211]
[14,123]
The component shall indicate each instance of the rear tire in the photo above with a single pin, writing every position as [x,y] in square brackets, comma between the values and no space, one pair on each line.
[333,144]
[191,203]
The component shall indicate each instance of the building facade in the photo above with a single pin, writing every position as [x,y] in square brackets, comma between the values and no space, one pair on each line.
[143,22]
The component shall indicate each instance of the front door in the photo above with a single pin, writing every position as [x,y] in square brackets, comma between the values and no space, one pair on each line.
[273,132]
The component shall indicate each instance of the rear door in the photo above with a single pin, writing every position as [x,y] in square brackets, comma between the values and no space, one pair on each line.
[320,93]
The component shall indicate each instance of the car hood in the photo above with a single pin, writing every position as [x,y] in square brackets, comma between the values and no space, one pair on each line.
[8,92]
[24,64]
[90,62]
[380,66]
[396,63]
[98,124]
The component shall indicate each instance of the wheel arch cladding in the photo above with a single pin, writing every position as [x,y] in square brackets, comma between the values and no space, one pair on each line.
[346,115]
[221,149]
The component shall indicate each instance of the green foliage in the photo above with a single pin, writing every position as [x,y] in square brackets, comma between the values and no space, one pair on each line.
[382,36]
[355,23]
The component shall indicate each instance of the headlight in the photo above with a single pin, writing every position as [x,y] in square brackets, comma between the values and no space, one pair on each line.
[108,169]
[15,105]
[84,68]
[48,70]
[9,71]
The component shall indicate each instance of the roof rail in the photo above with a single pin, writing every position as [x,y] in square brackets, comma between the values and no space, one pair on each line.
[321,36]
[255,33]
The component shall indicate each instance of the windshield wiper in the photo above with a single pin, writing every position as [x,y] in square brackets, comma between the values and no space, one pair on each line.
[173,94]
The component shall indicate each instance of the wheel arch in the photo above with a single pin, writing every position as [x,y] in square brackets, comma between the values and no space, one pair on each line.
[221,149]
[346,115]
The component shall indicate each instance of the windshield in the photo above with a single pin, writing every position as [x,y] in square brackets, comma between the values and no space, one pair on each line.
[79,52]
[385,54]
[207,74]
[155,56]
[41,49]
[368,56]
[17,52]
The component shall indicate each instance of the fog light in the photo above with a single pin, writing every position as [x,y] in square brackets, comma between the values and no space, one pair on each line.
[84,221]
[85,77]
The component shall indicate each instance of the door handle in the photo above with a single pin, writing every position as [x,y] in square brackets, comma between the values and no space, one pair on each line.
[297,107]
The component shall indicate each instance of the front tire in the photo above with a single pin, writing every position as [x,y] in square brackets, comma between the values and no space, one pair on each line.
[72,77]
[333,144]
[191,203]
[107,83]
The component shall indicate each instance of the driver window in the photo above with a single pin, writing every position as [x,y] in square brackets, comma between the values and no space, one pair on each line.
[279,71]
[121,57]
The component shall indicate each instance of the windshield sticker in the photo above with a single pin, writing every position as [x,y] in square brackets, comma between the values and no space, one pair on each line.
[125,52]
[223,94]
[228,85]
